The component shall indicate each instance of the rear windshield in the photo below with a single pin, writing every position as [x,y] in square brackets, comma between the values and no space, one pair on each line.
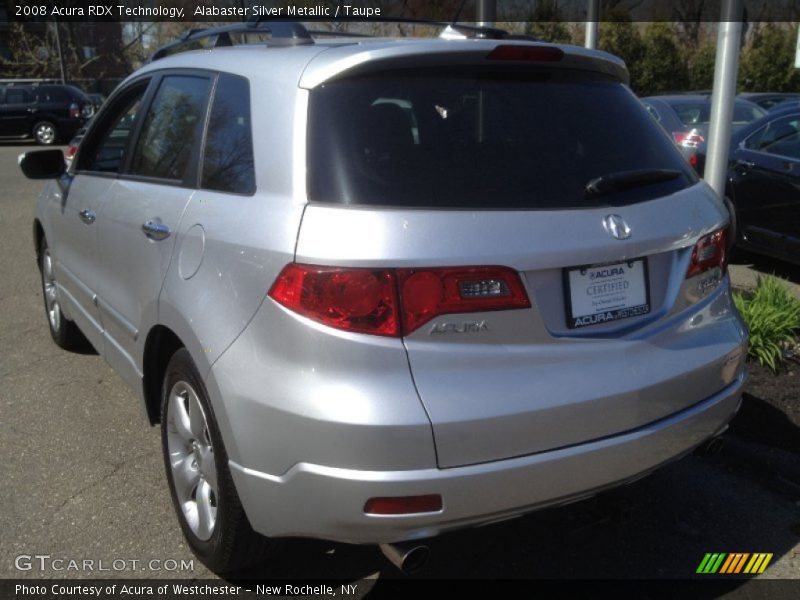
[475,138]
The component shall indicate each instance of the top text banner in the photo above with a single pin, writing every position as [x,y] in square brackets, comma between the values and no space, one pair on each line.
[359,10]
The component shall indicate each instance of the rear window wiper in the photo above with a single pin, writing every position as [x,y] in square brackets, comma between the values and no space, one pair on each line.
[624,180]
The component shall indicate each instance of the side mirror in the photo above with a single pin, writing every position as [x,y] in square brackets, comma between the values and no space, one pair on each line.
[42,164]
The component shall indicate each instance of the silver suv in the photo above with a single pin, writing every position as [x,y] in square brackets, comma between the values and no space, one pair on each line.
[377,289]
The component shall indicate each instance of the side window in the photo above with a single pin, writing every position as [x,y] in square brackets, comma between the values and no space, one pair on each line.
[104,151]
[17,96]
[228,155]
[58,95]
[777,137]
[746,113]
[170,128]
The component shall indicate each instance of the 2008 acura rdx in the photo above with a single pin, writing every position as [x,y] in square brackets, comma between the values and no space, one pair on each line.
[374,289]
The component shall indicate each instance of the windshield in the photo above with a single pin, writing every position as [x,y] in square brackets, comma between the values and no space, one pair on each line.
[476,138]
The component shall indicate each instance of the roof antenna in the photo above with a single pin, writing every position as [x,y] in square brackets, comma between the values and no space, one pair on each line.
[450,32]
[458,12]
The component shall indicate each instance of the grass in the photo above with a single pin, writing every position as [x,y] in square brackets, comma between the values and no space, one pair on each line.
[772,315]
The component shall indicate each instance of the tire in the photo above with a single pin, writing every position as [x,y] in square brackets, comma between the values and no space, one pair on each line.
[64,332]
[45,133]
[203,494]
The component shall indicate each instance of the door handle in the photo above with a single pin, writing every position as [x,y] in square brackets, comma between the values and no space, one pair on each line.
[743,166]
[155,231]
[87,216]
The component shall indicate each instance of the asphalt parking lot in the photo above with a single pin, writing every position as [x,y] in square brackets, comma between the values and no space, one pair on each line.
[83,479]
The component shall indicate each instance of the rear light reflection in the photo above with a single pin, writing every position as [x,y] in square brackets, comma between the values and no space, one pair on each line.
[688,139]
[709,252]
[394,302]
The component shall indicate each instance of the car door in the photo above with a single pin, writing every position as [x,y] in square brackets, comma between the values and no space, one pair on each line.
[141,215]
[72,215]
[16,111]
[766,175]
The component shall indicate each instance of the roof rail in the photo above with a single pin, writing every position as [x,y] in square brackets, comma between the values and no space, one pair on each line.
[284,33]
[290,33]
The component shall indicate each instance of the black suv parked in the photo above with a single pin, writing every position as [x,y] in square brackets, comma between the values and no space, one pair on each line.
[47,113]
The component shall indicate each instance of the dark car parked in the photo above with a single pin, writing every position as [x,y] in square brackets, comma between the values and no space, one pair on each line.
[764,184]
[771,100]
[686,116]
[46,113]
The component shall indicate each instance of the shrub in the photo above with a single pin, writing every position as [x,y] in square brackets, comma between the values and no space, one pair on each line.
[772,315]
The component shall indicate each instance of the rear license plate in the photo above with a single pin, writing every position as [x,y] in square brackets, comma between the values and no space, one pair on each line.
[608,292]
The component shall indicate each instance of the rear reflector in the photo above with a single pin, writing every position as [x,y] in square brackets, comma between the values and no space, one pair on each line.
[403,505]
[710,251]
[394,302]
[529,53]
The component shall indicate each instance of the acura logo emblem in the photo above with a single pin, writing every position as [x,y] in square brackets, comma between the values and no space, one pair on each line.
[616,227]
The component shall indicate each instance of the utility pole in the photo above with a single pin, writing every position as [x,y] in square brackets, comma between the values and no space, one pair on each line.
[486,13]
[592,23]
[60,53]
[726,68]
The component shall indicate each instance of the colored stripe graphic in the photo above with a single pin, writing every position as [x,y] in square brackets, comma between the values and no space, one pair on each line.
[732,558]
[733,563]
[703,563]
[758,563]
[740,564]
[711,562]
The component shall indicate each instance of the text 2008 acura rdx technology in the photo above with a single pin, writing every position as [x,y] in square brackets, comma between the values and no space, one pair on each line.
[374,290]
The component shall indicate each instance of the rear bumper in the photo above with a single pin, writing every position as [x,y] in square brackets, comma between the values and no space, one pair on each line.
[313,500]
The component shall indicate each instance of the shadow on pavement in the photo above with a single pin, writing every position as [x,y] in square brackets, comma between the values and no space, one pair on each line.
[767,265]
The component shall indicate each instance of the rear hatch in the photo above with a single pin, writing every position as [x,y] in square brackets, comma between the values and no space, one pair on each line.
[558,176]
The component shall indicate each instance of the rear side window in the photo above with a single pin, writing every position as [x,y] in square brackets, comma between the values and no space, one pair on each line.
[228,155]
[18,96]
[59,95]
[171,127]
[463,138]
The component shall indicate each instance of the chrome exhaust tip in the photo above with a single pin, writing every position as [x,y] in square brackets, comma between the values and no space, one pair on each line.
[710,447]
[409,559]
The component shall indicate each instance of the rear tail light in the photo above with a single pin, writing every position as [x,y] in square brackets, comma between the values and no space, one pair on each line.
[688,139]
[529,53]
[394,302]
[360,300]
[694,160]
[74,111]
[710,251]
[428,293]
[70,152]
